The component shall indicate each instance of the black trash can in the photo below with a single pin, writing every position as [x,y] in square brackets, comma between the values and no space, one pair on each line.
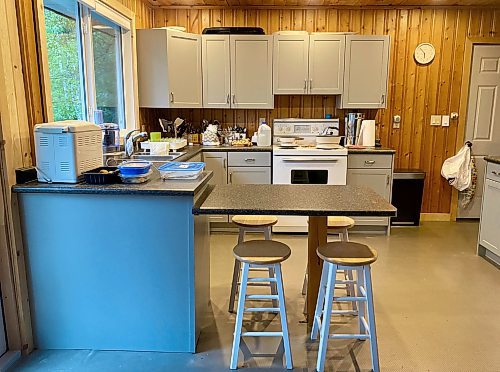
[407,192]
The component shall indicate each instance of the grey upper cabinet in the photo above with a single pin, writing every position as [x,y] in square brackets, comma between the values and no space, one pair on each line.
[169,69]
[366,72]
[216,71]
[326,63]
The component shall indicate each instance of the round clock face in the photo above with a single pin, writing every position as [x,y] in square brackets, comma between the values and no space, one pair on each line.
[424,53]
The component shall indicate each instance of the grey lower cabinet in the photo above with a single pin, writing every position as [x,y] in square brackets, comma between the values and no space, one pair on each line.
[217,163]
[374,171]
[249,175]
[489,238]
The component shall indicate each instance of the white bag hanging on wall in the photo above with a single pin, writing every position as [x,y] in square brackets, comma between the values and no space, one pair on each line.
[457,169]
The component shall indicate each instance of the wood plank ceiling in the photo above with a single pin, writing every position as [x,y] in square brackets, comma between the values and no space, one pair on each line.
[336,3]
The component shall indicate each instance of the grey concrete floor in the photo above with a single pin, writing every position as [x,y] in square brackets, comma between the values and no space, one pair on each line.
[436,302]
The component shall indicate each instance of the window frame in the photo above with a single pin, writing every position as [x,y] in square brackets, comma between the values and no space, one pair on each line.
[124,19]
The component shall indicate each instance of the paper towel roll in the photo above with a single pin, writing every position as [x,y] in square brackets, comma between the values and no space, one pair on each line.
[367,133]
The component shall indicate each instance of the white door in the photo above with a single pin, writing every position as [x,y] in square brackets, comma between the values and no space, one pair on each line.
[366,71]
[184,69]
[217,163]
[3,341]
[489,236]
[290,63]
[483,116]
[252,71]
[216,71]
[326,63]
[249,175]
[379,180]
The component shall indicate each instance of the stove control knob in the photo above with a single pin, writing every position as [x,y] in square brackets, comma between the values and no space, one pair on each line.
[288,130]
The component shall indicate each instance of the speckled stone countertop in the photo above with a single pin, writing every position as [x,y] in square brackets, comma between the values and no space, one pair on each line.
[192,151]
[492,159]
[299,200]
[372,150]
[154,186]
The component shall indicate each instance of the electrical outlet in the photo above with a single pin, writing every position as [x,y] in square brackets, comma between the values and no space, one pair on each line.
[436,120]
[445,120]
[396,125]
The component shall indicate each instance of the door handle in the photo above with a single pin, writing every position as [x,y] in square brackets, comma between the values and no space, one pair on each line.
[172,97]
[305,84]
[224,163]
[310,83]
[388,180]
[382,99]
[231,178]
[234,98]
[495,173]
[228,99]
[309,159]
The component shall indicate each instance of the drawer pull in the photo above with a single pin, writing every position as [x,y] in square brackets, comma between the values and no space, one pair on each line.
[495,173]
[250,160]
[369,162]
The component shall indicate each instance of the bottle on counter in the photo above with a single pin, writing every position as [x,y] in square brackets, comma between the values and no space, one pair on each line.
[264,135]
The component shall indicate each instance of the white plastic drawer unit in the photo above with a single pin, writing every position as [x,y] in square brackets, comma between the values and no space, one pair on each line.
[249,159]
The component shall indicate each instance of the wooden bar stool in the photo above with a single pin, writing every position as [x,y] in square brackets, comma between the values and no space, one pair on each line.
[246,224]
[339,225]
[345,256]
[258,254]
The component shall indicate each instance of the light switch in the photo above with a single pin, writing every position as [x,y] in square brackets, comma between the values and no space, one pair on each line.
[445,120]
[436,120]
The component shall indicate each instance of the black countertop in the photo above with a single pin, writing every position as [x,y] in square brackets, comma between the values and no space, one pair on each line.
[299,200]
[492,159]
[371,150]
[155,186]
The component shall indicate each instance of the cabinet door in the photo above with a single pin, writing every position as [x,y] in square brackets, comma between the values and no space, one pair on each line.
[490,215]
[216,71]
[217,163]
[326,63]
[184,69]
[251,71]
[249,175]
[379,180]
[290,63]
[366,71]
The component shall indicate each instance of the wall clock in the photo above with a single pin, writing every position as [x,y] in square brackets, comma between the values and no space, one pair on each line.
[424,53]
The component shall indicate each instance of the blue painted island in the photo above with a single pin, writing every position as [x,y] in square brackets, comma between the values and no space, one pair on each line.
[116,267]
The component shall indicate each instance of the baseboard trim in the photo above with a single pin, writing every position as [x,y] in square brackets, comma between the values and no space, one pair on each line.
[435,217]
[8,359]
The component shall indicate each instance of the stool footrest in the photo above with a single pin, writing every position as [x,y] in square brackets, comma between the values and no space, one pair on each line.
[262,309]
[351,299]
[261,297]
[261,280]
[255,268]
[344,281]
[358,336]
[345,312]
[261,334]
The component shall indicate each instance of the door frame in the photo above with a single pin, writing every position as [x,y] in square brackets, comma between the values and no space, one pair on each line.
[470,42]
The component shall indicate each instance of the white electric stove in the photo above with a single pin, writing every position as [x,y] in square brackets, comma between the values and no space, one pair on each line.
[303,163]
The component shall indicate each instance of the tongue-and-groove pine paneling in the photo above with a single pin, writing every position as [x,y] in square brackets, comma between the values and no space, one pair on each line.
[415,92]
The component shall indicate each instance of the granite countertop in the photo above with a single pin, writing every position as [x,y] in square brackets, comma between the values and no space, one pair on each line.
[155,186]
[371,150]
[299,200]
[492,159]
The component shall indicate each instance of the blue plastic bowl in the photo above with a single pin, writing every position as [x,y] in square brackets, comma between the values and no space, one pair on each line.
[134,167]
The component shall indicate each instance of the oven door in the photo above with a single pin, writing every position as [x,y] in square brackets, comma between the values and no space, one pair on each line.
[312,170]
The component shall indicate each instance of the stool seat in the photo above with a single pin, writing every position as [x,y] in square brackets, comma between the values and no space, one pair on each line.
[340,222]
[261,252]
[254,221]
[347,253]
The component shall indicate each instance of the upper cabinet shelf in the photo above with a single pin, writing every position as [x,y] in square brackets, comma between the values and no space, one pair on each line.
[179,69]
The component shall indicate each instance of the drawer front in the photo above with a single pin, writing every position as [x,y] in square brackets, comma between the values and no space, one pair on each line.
[493,171]
[249,159]
[369,161]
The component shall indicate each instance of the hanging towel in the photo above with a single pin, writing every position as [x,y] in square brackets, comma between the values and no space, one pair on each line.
[458,169]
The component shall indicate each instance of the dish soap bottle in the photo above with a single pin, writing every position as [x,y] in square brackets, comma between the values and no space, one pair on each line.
[264,135]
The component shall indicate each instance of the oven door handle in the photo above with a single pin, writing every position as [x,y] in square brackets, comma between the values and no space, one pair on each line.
[308,159]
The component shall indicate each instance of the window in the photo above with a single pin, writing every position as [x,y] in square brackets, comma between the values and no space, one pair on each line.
[90,62]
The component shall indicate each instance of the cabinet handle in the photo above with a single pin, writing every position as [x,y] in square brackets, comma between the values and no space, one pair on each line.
[305,84]
[382,99]
[234,98]
[230,177]
[224,163]
[369,162]
[172,97]
[250,160]
[388,180]
[228,99]
[495,173]
[310,84]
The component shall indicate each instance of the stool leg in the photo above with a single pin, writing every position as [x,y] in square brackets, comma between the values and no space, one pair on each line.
[319,301]
[360,282]
[274,290]
[241,235]
[350,287]
[284,322]
[234,285]
[327,315]
[267,233]
[371,318]
[304,284]
[239,318]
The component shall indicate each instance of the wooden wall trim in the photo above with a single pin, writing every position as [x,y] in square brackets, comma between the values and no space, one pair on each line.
[320,7]
[462,119]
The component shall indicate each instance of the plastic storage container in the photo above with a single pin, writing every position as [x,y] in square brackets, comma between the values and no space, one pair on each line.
[181,170]
[134,168]
[97,177]
[407,192]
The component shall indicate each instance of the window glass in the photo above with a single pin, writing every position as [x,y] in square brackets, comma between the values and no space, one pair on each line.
[108,70]
[64,59]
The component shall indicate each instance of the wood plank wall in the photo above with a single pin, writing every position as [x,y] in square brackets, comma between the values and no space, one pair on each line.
[415,92]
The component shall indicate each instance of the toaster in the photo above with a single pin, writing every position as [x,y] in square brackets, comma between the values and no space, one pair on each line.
[66,149]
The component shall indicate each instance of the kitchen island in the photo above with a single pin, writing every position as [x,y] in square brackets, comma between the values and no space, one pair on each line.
[116,267]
